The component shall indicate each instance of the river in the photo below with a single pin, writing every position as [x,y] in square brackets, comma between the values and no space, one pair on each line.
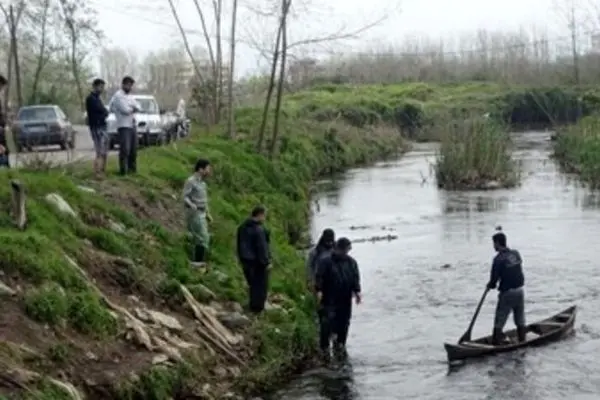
[412,304]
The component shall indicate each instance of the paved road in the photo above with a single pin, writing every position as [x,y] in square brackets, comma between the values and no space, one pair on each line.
[84,151]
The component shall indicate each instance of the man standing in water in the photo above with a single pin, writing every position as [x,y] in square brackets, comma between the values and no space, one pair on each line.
[507,268]
[323,248]
[197,215]
[253,250]
[337,281]
[124,106]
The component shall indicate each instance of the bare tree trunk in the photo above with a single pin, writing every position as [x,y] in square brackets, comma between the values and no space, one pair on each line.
[15,53]
[265,116]
[285,5]
[188,49]
[230,107]
[574,48]
[42,56]
[9,70]
[209,46]
[218,6]
[75,65]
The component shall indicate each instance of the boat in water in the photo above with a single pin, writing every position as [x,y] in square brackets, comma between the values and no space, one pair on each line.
[538,334]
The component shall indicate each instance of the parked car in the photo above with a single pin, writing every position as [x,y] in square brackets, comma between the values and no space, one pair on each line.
[149,123]
[43,125]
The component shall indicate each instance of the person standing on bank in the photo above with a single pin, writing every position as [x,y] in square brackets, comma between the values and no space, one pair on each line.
[3,140]
[254,253]
[124,106]
[197,215]
[507,268]
[337,281]
[96,119]
[323,248]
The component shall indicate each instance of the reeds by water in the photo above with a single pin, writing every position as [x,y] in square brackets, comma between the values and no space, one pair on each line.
[475,153]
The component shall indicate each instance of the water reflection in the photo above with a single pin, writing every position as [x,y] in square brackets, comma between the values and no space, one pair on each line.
[330,191]
[339,385]
[467,204]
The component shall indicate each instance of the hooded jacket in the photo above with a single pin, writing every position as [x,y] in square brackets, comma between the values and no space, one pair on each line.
[507,268]
[253,243]
[337,278]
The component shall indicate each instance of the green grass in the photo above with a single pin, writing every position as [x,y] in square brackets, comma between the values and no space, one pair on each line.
[473,154]
[56,293]
[414,108]
[577,148]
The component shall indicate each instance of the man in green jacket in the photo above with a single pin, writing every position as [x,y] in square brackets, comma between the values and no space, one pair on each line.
[197,215]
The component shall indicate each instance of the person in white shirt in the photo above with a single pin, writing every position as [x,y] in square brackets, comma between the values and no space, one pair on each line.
[181,109]
[124,106]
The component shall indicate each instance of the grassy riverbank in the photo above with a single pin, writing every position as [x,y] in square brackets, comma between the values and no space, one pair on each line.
[475,154]
[577,148]
[417,109]
[94,290]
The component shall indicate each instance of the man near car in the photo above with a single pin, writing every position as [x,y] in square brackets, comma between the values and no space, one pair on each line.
[124,106]
[96,118]
[254,255]
[3,142]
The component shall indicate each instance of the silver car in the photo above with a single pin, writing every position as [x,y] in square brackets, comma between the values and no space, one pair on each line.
[149,124]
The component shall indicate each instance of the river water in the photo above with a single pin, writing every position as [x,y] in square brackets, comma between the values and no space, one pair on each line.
[412,304]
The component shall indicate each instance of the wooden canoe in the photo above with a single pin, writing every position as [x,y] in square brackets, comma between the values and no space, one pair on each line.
[539,333]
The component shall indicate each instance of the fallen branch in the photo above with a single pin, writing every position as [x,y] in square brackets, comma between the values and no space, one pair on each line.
[211,328]
[21,377]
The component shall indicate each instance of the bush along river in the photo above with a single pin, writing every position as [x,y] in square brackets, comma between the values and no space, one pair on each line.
[425,256]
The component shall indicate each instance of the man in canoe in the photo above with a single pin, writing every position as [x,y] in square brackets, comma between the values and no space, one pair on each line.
[507,269]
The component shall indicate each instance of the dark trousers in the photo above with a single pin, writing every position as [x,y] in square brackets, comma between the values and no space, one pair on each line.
[127,150]
[334,320]
[257,277]
[4,162]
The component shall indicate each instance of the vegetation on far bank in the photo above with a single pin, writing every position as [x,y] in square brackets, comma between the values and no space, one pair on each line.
[475,154]
[125,248]
[577,148]
[419,109]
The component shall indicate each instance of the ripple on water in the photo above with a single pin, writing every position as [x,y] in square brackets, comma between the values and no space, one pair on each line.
[412,305]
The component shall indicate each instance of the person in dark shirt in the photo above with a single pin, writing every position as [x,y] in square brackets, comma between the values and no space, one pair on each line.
[253,250]
[337,281]
[507,274]
[5,154]
[96,119]
[323,248]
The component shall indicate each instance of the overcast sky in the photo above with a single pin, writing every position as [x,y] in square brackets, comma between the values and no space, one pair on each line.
[148,25]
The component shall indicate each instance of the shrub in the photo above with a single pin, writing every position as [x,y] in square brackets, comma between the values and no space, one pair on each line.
[475,154]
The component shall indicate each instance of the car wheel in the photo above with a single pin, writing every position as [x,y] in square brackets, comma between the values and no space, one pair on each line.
[64,145]
[72,143]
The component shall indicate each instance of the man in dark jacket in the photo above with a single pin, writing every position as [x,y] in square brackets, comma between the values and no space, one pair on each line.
[507,268]
[5,153]
[255,256]
[96,119]
[337,281]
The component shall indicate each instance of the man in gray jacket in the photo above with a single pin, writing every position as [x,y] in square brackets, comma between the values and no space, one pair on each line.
[124,107]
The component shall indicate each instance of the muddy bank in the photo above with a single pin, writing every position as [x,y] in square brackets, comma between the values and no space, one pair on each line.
[412,304]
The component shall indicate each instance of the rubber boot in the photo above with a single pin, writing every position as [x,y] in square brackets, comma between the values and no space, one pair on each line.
[497,337]
[521,333]
[199,254]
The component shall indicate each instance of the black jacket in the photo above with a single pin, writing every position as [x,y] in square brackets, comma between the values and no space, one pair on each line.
[253,243]
[507,268]
[337,278]
[96,112]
